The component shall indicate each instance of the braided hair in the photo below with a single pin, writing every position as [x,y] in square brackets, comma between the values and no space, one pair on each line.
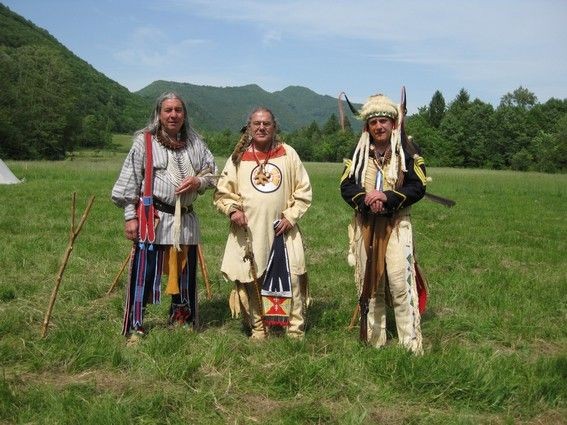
[246,137]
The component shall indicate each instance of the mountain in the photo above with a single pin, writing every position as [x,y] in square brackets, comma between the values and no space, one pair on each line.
[220,108]
[68,104]
[65,101]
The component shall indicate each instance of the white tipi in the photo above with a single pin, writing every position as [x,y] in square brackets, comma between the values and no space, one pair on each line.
[6,176]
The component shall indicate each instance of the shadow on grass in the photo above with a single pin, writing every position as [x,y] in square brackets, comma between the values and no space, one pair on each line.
[213,313]
[324,313]
[428,315]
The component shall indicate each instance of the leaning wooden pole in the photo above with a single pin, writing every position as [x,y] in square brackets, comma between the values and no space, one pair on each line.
[204,271]
[355,314]
[117,278]
[72,236]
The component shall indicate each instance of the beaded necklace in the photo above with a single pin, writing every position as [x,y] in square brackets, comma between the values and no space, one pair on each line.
[170,143]
[262,177]
[379,161]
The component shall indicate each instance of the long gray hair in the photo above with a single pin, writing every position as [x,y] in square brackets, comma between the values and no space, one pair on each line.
[154,125]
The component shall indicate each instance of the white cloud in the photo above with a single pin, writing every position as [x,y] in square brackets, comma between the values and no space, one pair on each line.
[150,46]
[271,37]
[139,57]
[483,21]
[501,34]
[488,47]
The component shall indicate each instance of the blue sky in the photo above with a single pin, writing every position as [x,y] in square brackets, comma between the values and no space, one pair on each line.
[362,47]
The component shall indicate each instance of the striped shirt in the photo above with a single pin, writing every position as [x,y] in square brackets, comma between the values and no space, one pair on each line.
[192,160]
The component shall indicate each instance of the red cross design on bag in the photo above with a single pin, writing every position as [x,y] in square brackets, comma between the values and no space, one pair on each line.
[276,308]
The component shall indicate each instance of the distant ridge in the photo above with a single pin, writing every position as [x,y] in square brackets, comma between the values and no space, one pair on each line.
[220,108]
[76,106]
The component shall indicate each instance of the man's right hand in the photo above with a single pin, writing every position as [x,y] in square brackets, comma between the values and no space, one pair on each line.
[131,229]
[377,207]
[239,218]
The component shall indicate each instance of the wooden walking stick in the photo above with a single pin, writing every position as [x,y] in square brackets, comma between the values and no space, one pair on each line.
[117,278]
[368,284]
[354,317]
[72,236]
[204,271]
[249,256]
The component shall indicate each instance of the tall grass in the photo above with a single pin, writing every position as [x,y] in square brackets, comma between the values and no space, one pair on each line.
[494,332]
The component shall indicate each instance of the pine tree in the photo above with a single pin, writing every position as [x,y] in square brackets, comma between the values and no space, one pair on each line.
[436,110]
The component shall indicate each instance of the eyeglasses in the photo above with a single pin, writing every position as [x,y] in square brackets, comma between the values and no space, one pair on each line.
[259,123]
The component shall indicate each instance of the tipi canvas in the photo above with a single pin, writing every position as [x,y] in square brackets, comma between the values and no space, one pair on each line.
[6,176]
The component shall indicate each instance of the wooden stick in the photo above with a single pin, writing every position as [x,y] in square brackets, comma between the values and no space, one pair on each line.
[204,271]
[73,212]
[354,317]
[117,278]
[439,199]
[249,256]
[72,236]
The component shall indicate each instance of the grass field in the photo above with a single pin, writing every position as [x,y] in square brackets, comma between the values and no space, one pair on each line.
[494,332]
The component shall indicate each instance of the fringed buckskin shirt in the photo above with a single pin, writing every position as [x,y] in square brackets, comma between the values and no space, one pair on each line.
[287,194]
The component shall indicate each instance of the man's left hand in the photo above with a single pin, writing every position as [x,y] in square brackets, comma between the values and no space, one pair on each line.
[188,184]
[283,226]
[373,196]
[377,207]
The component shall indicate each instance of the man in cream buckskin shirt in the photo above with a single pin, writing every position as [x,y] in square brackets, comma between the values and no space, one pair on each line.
[262,182]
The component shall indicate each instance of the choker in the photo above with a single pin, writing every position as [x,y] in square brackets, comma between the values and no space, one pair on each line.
[165,140]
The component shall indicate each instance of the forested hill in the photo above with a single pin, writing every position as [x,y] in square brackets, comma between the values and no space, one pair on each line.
[65,102]
[53,102]
[220,108]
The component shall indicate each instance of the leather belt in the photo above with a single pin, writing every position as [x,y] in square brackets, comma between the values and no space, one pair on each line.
[170,209]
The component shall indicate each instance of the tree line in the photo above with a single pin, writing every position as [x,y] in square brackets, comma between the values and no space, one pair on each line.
[520,134]
[327,143]
[53,103]
[51,106]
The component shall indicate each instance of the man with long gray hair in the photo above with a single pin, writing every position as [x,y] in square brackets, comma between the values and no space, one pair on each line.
[168,166]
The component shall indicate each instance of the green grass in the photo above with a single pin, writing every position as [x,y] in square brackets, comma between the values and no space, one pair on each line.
[494,332]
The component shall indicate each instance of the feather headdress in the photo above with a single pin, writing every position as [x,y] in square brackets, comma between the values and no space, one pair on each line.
[379,105]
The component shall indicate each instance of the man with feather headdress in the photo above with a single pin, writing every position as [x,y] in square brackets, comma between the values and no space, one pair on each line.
[381,181]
